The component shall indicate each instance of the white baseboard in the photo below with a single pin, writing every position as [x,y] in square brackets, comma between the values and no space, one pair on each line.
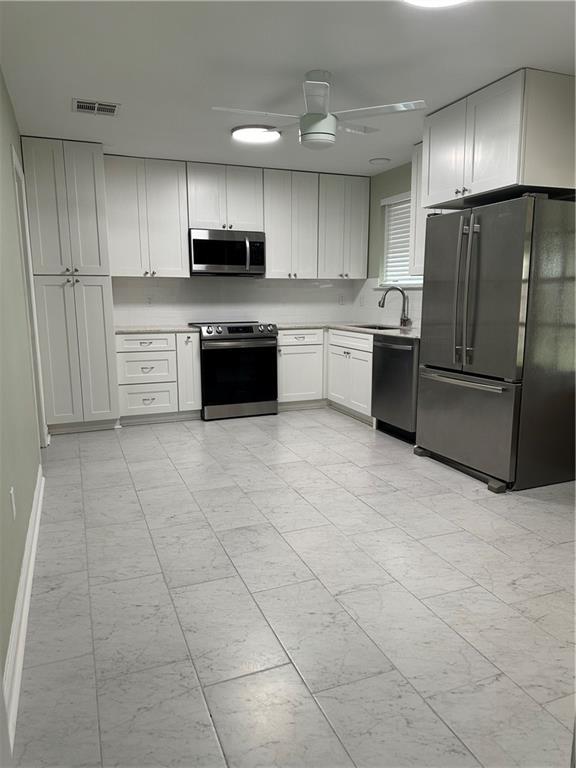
[15,655]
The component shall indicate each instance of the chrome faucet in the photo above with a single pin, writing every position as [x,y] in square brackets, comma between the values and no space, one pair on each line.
[404,319]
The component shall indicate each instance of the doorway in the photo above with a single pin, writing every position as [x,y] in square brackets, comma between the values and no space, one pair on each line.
[28,278]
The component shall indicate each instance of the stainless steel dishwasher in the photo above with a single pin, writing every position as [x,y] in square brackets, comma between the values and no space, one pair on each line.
[395,382]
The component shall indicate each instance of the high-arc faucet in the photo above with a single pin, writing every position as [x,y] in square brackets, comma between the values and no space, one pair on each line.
[404,319]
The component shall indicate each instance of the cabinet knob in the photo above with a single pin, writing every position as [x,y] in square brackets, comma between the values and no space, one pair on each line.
[290,274]
[466,189]
[67,270]
[229,226]
[457,191]
[146,273]
[340,275]
[295,275]
[153,273]
[68,279]
[223,226]
[346,275]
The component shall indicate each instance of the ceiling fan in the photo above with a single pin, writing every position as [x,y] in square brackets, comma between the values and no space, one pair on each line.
[318,126]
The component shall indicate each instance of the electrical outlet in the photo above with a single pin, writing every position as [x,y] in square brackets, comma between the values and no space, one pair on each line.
[341,299]
[13,501]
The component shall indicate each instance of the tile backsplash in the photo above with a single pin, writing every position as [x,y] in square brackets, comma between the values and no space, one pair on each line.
[177,301]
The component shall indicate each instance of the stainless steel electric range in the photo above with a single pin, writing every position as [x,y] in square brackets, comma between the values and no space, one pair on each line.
[239,369]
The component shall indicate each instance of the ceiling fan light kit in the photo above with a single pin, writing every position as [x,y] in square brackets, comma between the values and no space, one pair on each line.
[317,126]
[318,131]
[255,134]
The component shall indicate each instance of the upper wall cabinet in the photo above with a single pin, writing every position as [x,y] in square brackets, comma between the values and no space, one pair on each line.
[343,226]
[225,197]
[291,224]
[66,206]
[147,217]
[518,131]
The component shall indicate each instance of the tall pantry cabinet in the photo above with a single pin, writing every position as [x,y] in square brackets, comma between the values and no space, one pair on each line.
[73,290]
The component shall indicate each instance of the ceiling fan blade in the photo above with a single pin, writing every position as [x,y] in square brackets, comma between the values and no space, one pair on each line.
[316,96]
[351,128]
[381,109]
[253,112]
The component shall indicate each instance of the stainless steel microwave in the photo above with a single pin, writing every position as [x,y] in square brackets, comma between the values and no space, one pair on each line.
[226,252]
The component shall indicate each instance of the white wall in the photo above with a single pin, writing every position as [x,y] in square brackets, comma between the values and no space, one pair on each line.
[173,301]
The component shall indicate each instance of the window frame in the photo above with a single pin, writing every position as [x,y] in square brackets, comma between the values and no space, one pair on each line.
[417,282]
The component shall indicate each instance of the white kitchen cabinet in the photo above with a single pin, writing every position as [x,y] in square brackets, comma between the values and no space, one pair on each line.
[518,131]
[146,367]
[350,370]
[244,198]
[360,381]
[84,165]
[338,375]
[59,355]
[300,365]
[127,226]
[418,215]
[167,218]
[343,226]
[225,197]
[148,399]
[67,206]
[189,385]
[206,196]
[47,205]
[148,223]
[93,300]
[76,348]
[291,224]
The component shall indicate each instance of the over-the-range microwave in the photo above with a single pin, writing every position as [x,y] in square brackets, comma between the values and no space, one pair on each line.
[227,252]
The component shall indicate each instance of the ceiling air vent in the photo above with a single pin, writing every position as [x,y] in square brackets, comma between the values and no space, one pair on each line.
[95,107]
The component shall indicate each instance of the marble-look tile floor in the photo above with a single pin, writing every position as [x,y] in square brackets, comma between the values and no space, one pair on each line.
[293,591]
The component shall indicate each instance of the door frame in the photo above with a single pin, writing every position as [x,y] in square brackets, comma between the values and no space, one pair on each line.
[28,279]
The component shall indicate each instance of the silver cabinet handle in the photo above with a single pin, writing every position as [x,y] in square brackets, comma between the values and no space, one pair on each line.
[457,191]
[346,275]
[148,400]
[466,189]
[76,280]
[146,368]
[68,279]
[466,384]
[299,338]
[67,270]
[145,343]
[295,275]
[289,274]
[146,273]
[153,273]
[341,274]
[223,226]
[230,226]
[279,350]
[76,270]
[188,339]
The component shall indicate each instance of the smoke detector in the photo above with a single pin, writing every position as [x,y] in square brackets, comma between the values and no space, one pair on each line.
[91,107]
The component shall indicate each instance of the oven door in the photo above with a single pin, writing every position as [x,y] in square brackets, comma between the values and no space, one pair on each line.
[239,377]
[224,252]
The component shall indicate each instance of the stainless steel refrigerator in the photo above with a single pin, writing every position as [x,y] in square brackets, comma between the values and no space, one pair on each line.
[496,377]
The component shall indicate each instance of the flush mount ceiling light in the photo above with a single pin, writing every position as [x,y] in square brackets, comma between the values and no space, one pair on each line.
[379,160]
[436,3]
[255,134]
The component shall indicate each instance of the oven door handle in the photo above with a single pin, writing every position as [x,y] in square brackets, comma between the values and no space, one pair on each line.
[239,344]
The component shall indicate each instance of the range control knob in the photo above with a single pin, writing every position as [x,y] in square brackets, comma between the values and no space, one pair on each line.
[270,328]
[209,330]
[218,329]
[261,328]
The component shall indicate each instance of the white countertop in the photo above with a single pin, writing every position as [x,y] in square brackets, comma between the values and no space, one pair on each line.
[413,333]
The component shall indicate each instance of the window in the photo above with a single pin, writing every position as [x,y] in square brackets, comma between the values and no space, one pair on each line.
[395,267]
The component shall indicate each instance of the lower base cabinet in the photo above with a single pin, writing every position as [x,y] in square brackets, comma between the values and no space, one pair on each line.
[350,373]
[300,365]
[158,373]
[76,348]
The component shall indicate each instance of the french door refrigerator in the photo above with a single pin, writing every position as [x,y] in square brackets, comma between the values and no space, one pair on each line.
[496,377]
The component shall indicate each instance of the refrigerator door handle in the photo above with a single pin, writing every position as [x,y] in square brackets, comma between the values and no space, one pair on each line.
[466,350]
[462,230]
[467,384]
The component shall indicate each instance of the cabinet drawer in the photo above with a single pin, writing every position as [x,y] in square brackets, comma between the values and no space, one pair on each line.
[146,367]
[297,338]
[360,341]
[138,399]
[145,342]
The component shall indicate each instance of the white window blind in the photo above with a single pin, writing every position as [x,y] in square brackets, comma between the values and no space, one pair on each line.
[397,246]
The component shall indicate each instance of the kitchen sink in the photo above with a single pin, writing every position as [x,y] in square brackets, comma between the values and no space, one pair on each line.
[381,327]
